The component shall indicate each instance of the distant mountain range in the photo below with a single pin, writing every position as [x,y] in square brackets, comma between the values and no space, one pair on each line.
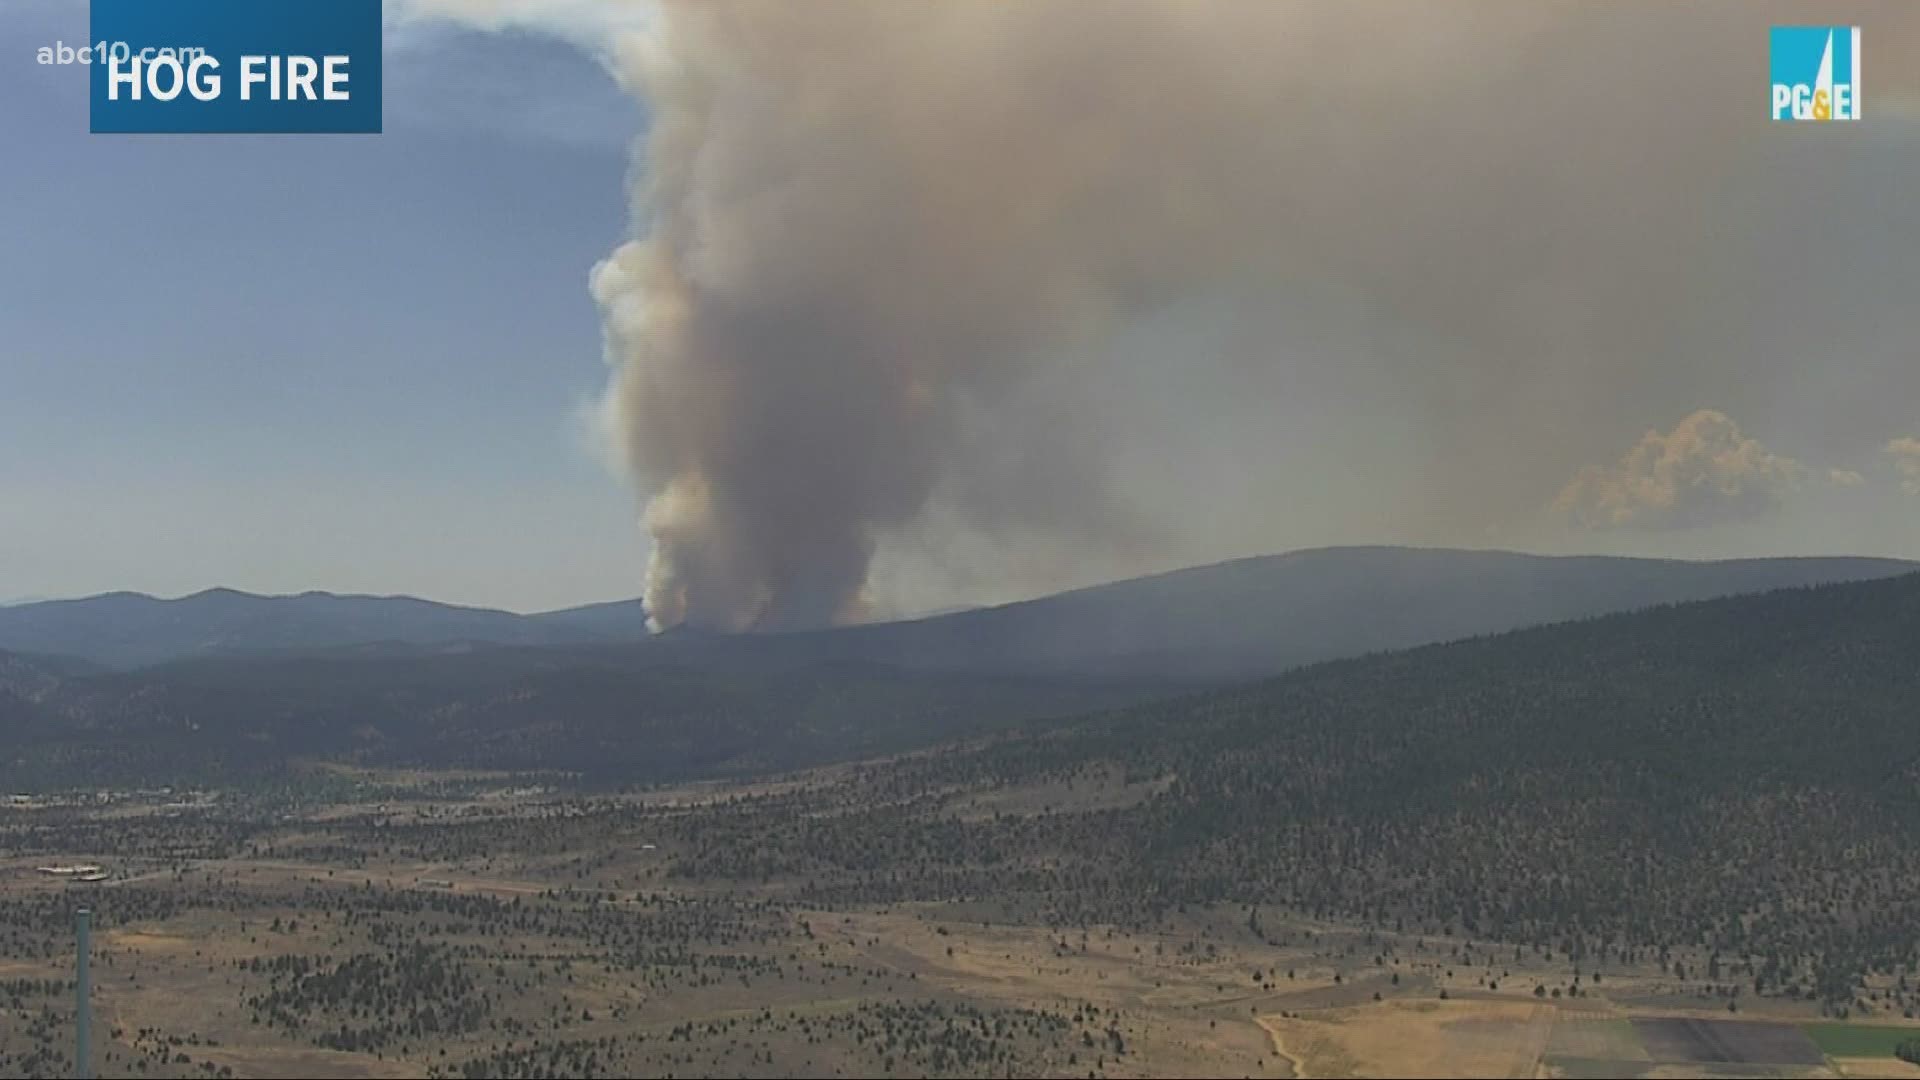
[268,681]
[125,629]
[1258,616]
[1243,618]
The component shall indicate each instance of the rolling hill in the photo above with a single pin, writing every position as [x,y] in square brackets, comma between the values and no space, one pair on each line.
[1746,769]
[590,711]
[1738,776]
[132,629]
[1259,616]
[1239,619]
[689,704]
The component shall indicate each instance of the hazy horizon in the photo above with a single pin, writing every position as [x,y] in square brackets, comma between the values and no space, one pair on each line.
[885,616]
[1418,284]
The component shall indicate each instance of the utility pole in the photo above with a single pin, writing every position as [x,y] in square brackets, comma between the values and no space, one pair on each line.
[83,995]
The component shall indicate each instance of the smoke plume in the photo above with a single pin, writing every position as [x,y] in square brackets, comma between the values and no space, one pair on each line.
[867,224]
[893,264]
[864,228]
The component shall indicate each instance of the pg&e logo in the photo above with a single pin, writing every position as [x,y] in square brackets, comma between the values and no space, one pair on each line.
[1816,72]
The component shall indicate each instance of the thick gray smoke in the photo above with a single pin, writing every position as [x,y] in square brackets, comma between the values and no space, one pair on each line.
[864,223]
[865,227]
[889,259]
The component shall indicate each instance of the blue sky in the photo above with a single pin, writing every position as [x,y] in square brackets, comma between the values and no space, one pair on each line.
[254,361]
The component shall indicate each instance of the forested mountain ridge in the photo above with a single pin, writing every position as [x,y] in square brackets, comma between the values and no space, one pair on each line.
[1259,616]
[589,712]
[127,629]
[1232,620]
[1740,773]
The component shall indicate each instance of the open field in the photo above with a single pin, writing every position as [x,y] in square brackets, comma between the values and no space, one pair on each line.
[1490,1036]
[1692,1040]
[1412,1038]
[1861,1040]
[475,926]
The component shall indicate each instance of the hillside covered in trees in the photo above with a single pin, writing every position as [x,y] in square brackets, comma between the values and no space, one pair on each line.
[1741,775]
[406,683]
[1241,619]
[585,712]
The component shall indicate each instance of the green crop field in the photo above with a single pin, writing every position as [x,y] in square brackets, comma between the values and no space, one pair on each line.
[1860,1040]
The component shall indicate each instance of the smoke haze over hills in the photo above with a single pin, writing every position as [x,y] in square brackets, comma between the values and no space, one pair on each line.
[892,262]
[929,306]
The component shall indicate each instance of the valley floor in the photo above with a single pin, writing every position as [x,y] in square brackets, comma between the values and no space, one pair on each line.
[468,925]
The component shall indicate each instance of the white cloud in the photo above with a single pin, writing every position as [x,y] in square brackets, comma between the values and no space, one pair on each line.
[1703,471]
[1905,453]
